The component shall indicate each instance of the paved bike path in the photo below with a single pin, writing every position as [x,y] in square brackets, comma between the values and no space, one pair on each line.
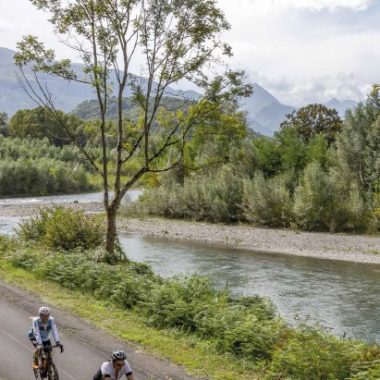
[85,346]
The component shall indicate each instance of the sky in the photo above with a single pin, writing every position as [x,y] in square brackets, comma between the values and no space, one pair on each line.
[302,51]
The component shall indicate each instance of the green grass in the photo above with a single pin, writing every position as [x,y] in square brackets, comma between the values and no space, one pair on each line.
[196,356]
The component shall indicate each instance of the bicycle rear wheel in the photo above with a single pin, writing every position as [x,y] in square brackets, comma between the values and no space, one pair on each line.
[53,372]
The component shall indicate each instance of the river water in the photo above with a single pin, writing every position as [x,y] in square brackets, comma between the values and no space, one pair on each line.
[341,297]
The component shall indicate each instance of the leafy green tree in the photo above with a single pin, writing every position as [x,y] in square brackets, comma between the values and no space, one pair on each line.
[3,123]
[40,123]
[313,119]
[170,41]
[358,146]
[266,156]
[318,151]
[292,150]
[328,200]
[214,138]
[373,100]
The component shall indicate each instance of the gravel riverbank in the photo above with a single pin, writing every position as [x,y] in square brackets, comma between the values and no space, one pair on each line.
[354,248]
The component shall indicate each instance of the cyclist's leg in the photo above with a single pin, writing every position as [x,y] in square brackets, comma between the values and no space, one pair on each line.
[35,359]
[33,341]
[98,375]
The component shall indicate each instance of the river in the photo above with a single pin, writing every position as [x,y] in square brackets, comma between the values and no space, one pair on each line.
[341,297]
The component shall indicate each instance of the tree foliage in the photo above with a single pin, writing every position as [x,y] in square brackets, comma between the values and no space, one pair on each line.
[35,167]
[40,123]
[313,119]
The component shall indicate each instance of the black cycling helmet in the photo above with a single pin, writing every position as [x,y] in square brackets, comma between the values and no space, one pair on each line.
[118,355]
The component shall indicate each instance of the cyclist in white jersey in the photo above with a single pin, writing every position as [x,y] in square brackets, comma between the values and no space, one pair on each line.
[39,333]
[115,369]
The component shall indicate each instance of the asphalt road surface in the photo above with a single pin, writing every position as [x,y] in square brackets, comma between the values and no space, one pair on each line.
[85,346]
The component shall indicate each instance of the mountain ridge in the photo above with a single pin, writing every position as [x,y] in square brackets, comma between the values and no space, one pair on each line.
[264,111]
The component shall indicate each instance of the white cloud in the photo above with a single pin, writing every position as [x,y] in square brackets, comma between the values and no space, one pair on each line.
[297,93]
[277,6]
[5,26]
[302,55]
[303,50]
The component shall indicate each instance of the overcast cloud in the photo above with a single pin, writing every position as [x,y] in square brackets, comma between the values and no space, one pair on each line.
[300,50]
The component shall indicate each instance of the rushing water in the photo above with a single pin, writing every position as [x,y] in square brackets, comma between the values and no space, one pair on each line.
[342,297]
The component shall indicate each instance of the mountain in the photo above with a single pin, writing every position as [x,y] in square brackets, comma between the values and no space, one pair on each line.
[264,111]
[341,106]
[67,95]
[14,98]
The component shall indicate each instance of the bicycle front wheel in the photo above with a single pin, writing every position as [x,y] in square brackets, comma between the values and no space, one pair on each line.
[53,372]
[37,374]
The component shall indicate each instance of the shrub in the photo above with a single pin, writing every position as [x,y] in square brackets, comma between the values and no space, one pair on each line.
[309,354]
[64,228]
[267,201]
[7,244]
[245,327]
[329,201]
[215,197]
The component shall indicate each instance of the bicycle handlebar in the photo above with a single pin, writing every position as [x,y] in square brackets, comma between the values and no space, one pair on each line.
[55,346]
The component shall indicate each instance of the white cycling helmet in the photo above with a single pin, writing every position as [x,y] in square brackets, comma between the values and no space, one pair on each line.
[44,310]
[118,355]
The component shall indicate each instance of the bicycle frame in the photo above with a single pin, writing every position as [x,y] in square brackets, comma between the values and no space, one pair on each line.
[47,368]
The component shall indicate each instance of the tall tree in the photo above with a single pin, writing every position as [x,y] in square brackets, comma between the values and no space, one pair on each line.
[314,119]
[170,40]
[358,145]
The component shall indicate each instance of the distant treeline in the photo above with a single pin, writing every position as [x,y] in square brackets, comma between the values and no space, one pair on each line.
[35,167]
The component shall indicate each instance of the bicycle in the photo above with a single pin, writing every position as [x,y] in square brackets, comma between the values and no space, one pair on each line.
[46,367]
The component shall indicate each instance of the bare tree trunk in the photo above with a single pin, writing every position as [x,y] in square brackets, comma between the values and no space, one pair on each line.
[332,225]
[111,236]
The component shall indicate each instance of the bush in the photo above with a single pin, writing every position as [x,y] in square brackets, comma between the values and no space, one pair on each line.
[216,197]
[245,328]
[35,167]
[267,201]
[329,201]
[309,354]
[7,244]
[64,228]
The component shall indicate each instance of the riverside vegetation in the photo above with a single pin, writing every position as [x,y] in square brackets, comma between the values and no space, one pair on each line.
[318,173]
[245,330]
[35,167]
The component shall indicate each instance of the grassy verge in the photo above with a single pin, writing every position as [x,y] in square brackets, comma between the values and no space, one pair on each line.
[194,355]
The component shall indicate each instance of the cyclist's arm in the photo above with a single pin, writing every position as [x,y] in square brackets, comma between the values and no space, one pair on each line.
[54,330]
[36,332]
